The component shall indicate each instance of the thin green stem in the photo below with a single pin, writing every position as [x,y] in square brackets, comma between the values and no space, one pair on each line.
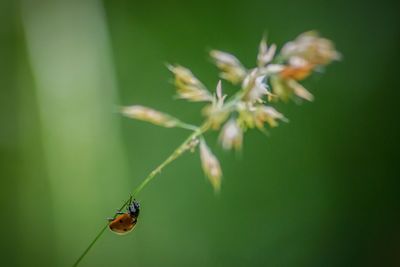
[187,126]
[91,245]
[177,152]
[186,145]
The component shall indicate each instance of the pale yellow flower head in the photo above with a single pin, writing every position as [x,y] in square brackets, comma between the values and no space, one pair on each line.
[265,53]
[231,68]
[312,48]
[255,87]
[287,88]
[188,86]
[149,115]
[215,113]
[269,115]
[211,166]
[231,135]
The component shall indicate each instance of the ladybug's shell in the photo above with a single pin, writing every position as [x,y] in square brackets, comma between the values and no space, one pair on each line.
[123,224]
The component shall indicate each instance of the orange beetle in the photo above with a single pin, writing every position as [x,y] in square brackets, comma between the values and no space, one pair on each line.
[125,221]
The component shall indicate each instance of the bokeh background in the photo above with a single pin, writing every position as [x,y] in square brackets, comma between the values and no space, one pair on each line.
[322,190]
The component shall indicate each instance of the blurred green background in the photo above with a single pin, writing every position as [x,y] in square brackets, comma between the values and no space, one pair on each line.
[322,190]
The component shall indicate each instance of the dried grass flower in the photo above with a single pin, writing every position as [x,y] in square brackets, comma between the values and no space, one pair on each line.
[150,115]
[265,54]
[188,86]
[214,112]
[312,48]
[255,86]
[231,68]
[267,114]
[247,108]
[211,166]
[231,135]
[276,76]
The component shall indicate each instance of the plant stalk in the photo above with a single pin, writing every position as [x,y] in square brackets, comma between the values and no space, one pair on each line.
[198,131]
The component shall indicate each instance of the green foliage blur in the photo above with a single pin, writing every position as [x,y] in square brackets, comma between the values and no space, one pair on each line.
[322,190]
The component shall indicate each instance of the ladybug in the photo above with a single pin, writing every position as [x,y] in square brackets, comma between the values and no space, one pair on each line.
[125,221]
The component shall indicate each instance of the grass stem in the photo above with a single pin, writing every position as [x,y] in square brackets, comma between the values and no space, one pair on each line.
[183,147]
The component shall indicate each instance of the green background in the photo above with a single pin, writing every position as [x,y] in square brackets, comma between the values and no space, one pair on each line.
[322,190]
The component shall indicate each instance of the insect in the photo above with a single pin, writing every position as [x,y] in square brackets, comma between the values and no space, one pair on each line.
[125,221]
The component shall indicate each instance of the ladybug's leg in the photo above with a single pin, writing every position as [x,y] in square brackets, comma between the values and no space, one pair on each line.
[110,219]
[119,212]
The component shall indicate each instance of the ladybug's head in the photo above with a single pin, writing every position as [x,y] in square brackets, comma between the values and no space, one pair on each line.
[134,209]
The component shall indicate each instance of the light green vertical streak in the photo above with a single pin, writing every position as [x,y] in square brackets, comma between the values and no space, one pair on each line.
[69,55]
